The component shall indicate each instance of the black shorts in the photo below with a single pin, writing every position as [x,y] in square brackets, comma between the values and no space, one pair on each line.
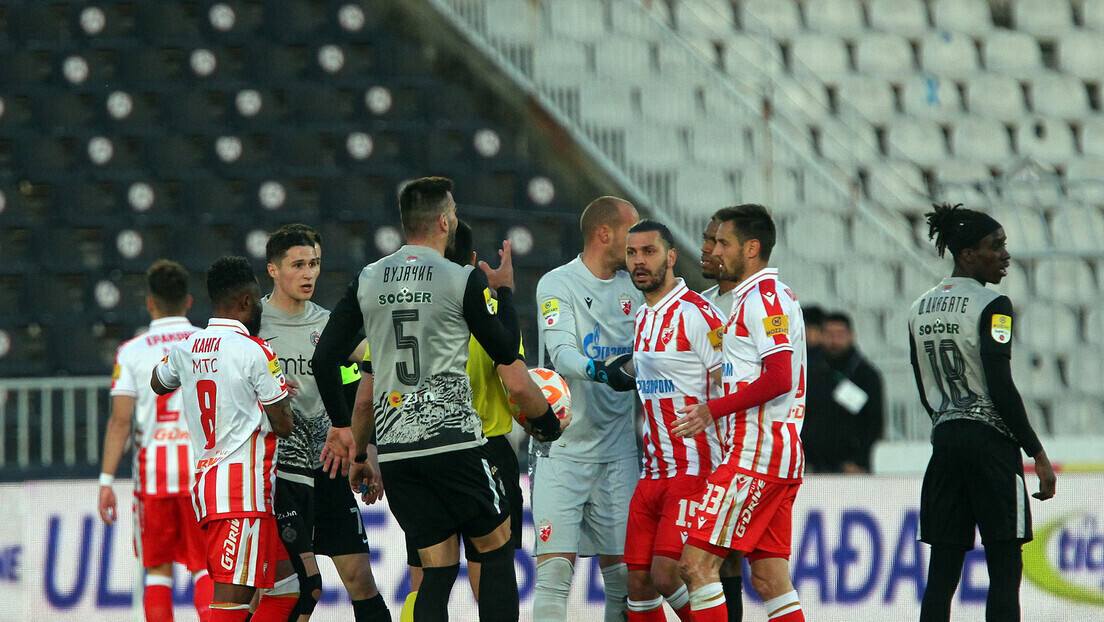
[974,478]
[505,465]
[323,519]
[435,497]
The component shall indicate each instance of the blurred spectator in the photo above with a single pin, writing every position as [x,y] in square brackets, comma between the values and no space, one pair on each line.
[844,406]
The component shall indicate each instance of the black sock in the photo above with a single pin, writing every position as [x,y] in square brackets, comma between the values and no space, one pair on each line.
[734,598]
[372,609]
[944,571]
[433,595]
[498,591]
[1005,563]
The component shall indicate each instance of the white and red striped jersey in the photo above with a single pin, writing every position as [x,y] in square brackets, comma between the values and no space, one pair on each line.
[162,448]
[225,376]
[677,345]
[766,319]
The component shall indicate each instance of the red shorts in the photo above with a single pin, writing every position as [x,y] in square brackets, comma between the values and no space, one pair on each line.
[168,532]
[660,516]
[744,513]
[244,551]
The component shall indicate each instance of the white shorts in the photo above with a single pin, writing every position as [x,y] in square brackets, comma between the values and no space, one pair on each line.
[582,507]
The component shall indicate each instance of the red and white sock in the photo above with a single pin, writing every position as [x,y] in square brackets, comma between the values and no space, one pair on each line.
[680,602]
[784,608]
[647,610]
[708,603]
[157,600]
[229,612]
[202,592]
[277,604]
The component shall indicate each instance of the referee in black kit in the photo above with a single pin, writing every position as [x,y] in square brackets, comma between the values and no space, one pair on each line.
[418,311]
[960,338]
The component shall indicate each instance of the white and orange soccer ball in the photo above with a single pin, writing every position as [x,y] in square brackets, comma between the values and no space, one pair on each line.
[555,391]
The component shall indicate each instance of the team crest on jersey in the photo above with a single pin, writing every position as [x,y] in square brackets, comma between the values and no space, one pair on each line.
[550,311]
[314,337]
[626,304]
[777,325]
[1001,328]
[666,334]
[544,530]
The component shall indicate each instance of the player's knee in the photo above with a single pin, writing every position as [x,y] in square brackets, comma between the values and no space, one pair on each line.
[666,583]
[310,592]
[769,584]
[640,584]
[690,572]
[554,575]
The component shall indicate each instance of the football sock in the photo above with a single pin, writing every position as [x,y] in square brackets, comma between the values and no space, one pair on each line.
[1005,563]
[229,612]
[708,603]
[647,610]
[202,592]
[553,586]
[276,604]
[498,591]
[433,595]
[158,598]
[680,602]
[734,598]
[944,571]
[615,580]
[407,613]
[372,609]
[784,608]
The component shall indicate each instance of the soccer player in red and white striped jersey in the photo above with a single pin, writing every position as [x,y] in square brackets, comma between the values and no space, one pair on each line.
[166,527]
[677,362]
[748,501]
[236,402]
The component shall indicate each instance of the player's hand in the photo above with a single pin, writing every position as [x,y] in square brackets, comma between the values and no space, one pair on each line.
[503,276]
[1047,479]
[612,372]
[362,479]
[563,414]
[338,451]
[108,505]
[697,418]
[292,387]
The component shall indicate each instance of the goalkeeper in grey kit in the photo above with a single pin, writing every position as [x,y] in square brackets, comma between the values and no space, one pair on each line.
[582,483]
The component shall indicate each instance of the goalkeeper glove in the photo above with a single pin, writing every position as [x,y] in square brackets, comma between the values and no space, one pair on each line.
[612,372]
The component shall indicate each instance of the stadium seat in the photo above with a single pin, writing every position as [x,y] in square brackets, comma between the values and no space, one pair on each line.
[810,280]
[778,18]
[1048,326]
[670,104]
[1083,364]
[1016,285]
[835,17]
[968,183]
[880,240]
[508,21]
[1078,228]
[1081,54]
[968,17]
[720,145]
[700,190]
[1035,372]
[753,60]
[1085,180]
[705,18]
[801,99]
[884,55]
[634,20]
[995,96]
[1043,18]
[1092,14]
[1026,227]
[582,20]
[1094,325]
[1065,280]
[818,235]
[1092,136]
[1049,141]
[981,140]
[904,17]
[871,98]
[930,97]
[917,140]
[623,59]
[822,56]
[1012,53]
[607,103]
[1075,416]
[896,182]
[948,55]
[847,143]
[555,58]
[1059,96]
[858,282]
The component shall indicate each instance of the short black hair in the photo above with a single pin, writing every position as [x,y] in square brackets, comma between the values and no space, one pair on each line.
[839,316]
[751,221]
[648,224]
[227,278]
[956,228]
[168,285]
[287,237]
[813,315]
[421,201]
[461,250]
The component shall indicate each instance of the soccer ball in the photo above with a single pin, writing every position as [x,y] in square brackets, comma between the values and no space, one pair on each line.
[555,391]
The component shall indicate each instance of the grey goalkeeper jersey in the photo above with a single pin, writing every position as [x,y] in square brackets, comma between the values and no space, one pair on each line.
[581,318]
[293,338]
[951,326]
[724,301]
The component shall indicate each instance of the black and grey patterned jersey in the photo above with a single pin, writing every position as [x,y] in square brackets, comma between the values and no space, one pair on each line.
[951,327]
[293,338]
